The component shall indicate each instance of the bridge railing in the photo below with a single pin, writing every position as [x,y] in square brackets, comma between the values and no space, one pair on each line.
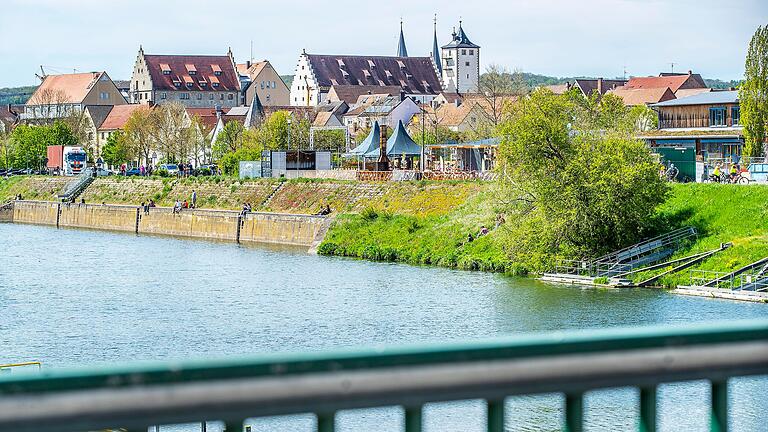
[135,397]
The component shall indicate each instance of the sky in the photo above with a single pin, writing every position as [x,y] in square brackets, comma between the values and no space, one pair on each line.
[601,38]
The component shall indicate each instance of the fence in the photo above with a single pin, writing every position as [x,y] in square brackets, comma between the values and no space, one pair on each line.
[136,397]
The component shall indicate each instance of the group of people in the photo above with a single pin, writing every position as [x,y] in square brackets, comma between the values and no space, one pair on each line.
[734,172]
[500,220]
[146,205]
[191,204]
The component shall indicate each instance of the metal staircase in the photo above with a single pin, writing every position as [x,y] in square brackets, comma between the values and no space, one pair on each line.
[74,188]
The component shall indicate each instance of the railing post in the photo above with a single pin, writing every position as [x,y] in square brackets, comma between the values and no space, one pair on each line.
[574,412]
[413,419]
[647,409]
[719,416]
[496,415]
[233,426]
[326,422]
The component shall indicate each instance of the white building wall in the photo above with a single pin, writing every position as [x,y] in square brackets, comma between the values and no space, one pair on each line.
[304,89]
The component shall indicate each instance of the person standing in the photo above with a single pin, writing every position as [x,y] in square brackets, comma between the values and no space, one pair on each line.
[194,199]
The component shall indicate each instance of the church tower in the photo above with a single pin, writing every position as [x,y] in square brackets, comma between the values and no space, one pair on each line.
[461,64]
[401,50]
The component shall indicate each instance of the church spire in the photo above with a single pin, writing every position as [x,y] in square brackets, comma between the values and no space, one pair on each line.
[436,50]
[401,50]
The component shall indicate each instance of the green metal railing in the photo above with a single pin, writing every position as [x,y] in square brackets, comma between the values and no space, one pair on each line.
[138,396]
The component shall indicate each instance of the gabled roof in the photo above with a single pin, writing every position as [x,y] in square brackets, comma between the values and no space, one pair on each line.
[207,116]
[460,40]
[205,67]
[98,113]
[69,88]
[588,86]
[642,96]
[674,82]
[682,93]
[706,98]
[381,107]
[415,75]
[350,93]
[119,115]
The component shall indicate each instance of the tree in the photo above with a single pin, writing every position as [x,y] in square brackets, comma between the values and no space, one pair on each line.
[139,134]
[230,139]
[753,95]
[172,132]
[498,89]
[574,178]
[30,143]
[115,151]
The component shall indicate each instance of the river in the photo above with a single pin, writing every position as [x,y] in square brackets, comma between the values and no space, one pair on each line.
[75,297]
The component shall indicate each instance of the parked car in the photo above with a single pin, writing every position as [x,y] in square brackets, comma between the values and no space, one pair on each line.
[133,172]
[204,170]
[172,169]
[103,172]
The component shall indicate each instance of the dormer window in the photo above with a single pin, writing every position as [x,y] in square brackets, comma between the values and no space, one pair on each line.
[371,64]
[401,64]
[214,81]
[191,69]
[165,68]
[341,62]
[216,69]
[366,73]
[403,83]
[203,84]
[345,73]
[389,74]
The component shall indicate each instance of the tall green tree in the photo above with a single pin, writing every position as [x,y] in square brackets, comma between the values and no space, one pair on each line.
[574,179]
[30,143]
[115,152]
[229,140]
[753,95]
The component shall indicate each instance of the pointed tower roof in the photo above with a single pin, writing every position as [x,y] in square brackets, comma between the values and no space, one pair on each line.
[436,50]
[401,50]
[370,143]
[460,40]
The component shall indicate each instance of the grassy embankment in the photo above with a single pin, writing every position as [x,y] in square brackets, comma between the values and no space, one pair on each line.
[31,187]
[721,213]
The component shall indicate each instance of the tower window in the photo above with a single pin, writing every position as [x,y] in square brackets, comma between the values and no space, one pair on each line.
[466,63]
[463,52]
[471,52]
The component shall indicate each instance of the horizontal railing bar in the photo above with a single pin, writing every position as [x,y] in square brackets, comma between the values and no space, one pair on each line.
[291,364]
[409,386]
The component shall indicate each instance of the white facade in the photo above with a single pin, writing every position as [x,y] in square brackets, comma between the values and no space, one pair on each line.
[461,69]
[304,89]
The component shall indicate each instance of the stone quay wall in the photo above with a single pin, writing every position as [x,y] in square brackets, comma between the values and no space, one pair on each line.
[225,225]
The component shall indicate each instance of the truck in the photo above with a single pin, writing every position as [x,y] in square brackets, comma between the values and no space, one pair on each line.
[66,160]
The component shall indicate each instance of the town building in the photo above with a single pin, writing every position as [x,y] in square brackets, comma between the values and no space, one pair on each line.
[260,78]
[587,86]
[387,110]
[114,120]
[461,64]
[196,81]
[642,96]
[61,95]
[351,93]
[681,84]
[708,123]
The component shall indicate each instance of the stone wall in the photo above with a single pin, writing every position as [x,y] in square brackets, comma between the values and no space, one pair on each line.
[300,230]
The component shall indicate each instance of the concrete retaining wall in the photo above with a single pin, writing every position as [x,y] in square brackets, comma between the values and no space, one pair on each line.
[300,230]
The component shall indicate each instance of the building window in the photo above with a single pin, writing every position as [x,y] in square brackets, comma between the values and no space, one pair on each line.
[199,96]
[735,115]
[230,96]
[262,84]
[717,116]
[163,95]
[217,73]
[210,96]
[166,72]
[463,52]
[184,96]
[221,96]
[471,52]
[466,63]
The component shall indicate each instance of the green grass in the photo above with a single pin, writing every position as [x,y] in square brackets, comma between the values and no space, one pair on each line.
[430,240]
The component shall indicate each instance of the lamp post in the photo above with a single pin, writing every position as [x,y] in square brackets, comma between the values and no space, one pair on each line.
[289,145]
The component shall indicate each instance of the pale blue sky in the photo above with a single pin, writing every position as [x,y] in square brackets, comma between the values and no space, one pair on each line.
[552,37]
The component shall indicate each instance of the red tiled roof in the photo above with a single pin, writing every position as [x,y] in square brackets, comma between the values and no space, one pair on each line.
[204,66]
[207,116]
[69,88]
[642,96]
[674,82]
[119,115]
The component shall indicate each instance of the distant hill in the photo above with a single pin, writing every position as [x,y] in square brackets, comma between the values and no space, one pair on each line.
[16,95]
[287,79]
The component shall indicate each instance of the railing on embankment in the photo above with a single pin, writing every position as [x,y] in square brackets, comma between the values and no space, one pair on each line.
[226,225]
[135,397]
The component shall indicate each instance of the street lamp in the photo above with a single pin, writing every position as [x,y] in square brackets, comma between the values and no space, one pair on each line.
[289,145]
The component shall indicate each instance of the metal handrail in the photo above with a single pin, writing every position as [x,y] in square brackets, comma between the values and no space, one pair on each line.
[664,239]
[232,390]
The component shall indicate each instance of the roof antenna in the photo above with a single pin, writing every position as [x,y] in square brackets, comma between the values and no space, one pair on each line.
[251,50]
[673,66]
